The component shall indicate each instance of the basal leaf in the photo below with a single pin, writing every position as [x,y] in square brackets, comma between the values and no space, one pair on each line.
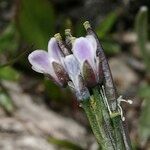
[36,21]
[107,24]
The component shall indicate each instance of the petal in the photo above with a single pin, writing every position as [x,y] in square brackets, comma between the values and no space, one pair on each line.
[36,69]
[72,65]
[78,86]
[39,60]
[92,40]
[73,69]
[83,50]
[54,50]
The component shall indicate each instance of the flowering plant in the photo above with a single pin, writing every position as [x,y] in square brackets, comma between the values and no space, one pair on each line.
[80,63]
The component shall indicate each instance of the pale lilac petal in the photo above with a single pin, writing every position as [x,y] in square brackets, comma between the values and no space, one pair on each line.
[73,69]
[40,61]
[72,65]
[92,40]
[36,69]
[54,50]
[83,50]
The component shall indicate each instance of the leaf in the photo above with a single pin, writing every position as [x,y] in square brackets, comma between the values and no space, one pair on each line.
[107,24]
[144,122]
[141,28]
[64,144]
[9,38]
[8,73]
[6,102]
[36,21]
[110,47]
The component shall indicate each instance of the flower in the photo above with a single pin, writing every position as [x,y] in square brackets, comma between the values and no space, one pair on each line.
[76,65]
[84,49]
[77,83]
[50,63]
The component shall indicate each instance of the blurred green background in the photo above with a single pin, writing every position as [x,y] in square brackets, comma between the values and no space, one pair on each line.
[122,26]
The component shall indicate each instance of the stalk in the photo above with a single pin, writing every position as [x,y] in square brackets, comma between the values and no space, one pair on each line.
[93,110]
[104,125]
[120,130]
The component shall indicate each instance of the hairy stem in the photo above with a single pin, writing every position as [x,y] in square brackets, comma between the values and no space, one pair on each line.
[100,120]
[110,90]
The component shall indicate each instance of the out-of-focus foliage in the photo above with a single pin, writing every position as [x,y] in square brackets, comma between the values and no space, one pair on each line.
[104,28]
[8,73]
[6,102]
[9,42]
[103,31]
[36,21]
[9,39]
[111,47]
[64,144]
[141,26]
[144,126]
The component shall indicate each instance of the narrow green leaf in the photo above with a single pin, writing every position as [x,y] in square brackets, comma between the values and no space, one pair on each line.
[107,24]
[36,21]
[64,144]
[6,102]
[144,123]
[141,27]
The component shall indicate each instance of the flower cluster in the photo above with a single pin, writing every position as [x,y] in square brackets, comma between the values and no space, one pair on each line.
[74,63]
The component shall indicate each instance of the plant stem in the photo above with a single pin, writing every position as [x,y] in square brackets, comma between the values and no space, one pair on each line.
[115,117]
[111,94]
[99,120]
[105,126]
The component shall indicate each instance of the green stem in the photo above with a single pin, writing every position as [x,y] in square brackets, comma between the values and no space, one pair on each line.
[116,119]
[92,119]
[94,111]
[111,92]
[106,127]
